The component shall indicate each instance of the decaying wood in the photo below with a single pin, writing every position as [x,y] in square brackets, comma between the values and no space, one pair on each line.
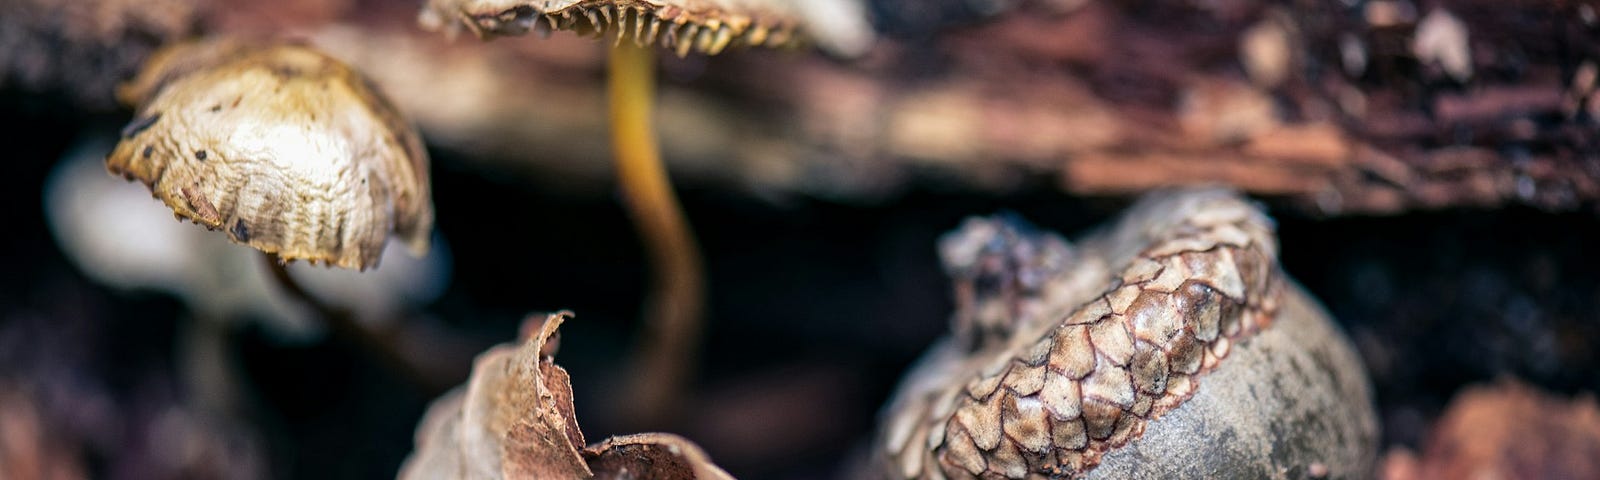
[1380,106]
[1311,102]
[81,49]
[1332,108]
[1506,430]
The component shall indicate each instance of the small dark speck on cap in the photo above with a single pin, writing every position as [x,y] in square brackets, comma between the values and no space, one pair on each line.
[200,155]
[240,231]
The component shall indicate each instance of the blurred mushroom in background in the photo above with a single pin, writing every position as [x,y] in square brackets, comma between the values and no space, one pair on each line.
[117,236]
[290,151]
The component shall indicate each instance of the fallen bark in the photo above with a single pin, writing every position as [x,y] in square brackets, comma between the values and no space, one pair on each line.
[1382,107]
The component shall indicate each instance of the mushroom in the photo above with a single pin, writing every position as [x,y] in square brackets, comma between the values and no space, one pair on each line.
[280,147]
[703,26]
[284,149]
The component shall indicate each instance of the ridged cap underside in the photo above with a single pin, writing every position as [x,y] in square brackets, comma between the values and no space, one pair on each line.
[703,26]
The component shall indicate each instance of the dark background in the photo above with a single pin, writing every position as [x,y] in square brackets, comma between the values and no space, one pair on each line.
[816,308]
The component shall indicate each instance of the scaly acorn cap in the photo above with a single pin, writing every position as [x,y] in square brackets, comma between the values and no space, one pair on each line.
[281,147]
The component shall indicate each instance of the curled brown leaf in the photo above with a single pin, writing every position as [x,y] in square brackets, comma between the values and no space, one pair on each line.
[515,419]
[660,456]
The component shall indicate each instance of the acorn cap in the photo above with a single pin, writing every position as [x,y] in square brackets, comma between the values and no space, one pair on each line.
[703,26]
[279,146]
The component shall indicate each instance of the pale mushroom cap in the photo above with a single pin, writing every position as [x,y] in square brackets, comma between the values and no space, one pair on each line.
[703,26]
[279,146]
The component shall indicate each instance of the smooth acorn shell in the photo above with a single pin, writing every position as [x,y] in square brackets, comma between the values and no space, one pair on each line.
[1293,400]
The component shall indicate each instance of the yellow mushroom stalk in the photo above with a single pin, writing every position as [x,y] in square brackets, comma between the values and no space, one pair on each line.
[675,303]
[285,149]
[677,297]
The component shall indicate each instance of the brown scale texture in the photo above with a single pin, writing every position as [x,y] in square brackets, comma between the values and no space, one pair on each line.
[702,26]
[1053,403]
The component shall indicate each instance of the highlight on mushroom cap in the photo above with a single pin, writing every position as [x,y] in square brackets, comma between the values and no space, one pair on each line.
[281,147]
[703,26]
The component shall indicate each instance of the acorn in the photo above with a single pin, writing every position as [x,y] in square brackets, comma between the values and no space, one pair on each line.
[1167,345]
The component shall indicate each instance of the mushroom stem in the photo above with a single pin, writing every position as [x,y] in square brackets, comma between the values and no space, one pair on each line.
[676,294]
[386,344]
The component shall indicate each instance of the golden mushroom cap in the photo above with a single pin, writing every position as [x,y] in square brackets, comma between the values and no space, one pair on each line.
[279,146]
[703,26]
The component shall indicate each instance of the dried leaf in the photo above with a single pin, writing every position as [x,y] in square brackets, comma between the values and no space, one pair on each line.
[659,456]
[282,147]
[515,419]
[437,454]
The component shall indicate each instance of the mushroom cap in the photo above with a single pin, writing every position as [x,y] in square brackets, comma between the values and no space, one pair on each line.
[704,26]
[279,146]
